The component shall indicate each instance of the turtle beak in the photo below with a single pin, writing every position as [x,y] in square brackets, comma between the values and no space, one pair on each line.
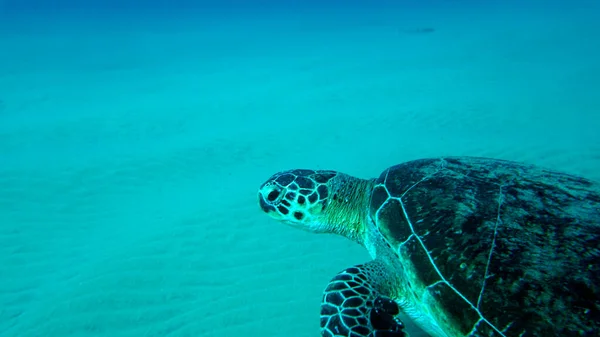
[269,196]
[264,205]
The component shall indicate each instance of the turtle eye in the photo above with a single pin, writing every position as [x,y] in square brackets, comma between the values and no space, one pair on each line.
[273,195]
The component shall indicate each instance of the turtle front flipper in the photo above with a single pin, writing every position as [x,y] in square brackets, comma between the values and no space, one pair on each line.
[352,306]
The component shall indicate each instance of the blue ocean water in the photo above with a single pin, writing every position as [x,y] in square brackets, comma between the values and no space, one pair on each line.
[133,137]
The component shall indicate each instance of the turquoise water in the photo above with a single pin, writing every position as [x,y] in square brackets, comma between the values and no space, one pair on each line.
[133,140]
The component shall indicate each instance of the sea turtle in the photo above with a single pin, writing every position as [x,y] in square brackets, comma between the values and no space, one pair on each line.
[465,246]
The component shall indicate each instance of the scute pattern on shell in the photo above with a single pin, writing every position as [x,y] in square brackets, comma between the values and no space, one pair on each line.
[500,245]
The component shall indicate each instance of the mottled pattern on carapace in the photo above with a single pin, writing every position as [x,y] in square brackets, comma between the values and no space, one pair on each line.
[514,244]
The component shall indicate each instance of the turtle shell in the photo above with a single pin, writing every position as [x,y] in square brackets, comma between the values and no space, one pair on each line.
[504,248]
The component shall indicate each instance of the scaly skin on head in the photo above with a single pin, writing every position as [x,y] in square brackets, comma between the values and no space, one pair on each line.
[318,201]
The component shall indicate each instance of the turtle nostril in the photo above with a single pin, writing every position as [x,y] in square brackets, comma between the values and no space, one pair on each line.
[273,195]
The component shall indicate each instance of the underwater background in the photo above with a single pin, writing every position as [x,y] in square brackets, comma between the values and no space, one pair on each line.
[134,136]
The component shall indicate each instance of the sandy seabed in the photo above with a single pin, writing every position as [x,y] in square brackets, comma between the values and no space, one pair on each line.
[131,161]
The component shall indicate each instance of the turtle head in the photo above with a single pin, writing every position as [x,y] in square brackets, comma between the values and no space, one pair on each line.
[318,201]
[297,197]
